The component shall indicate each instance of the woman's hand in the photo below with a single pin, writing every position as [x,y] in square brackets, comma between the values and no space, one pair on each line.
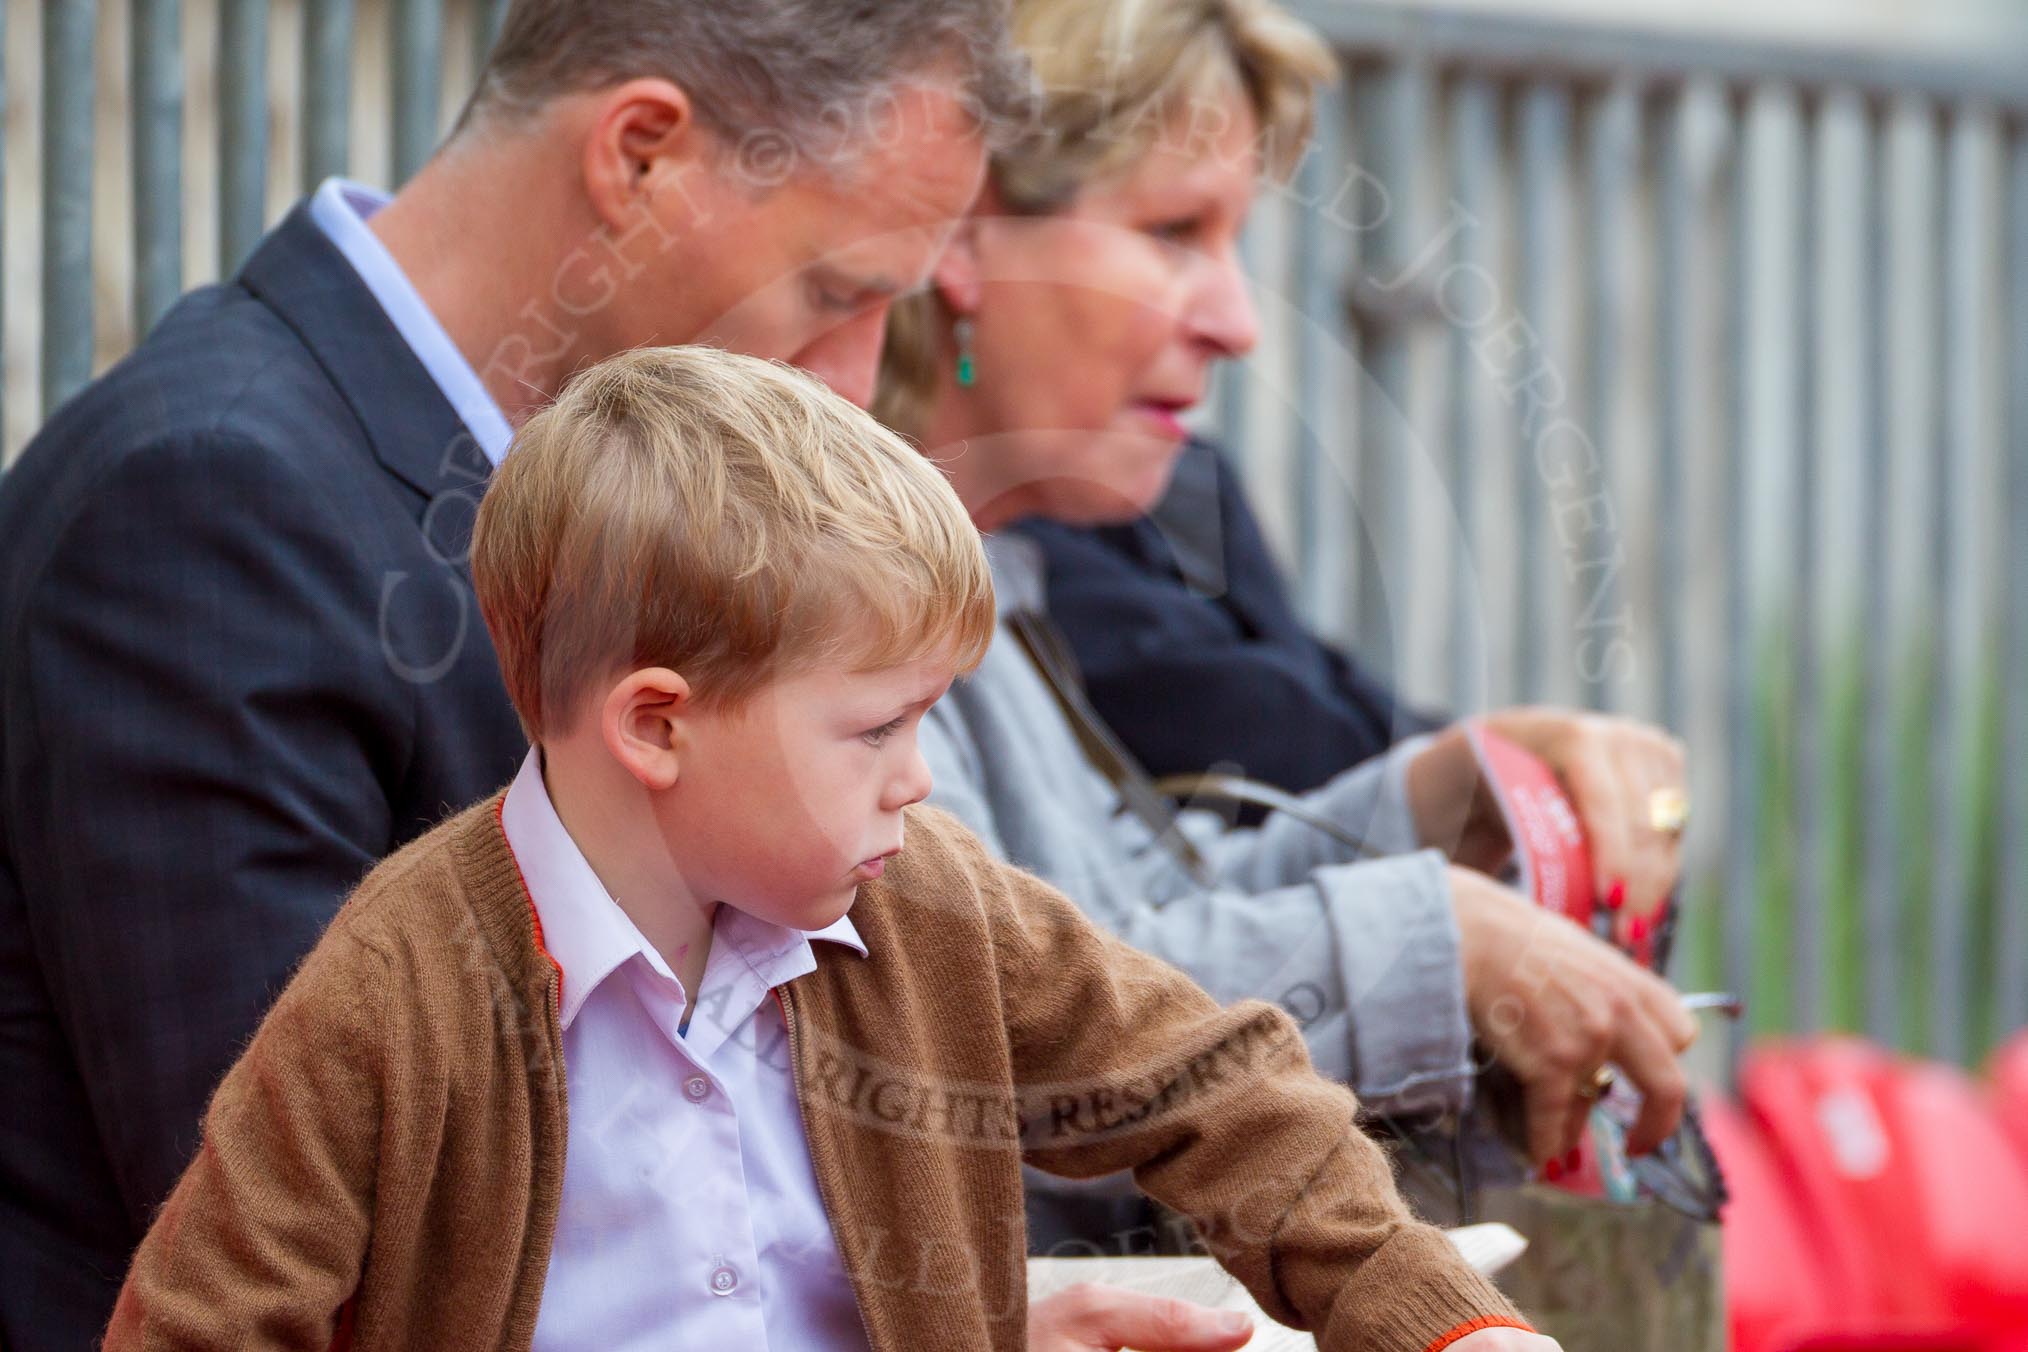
[1505,1340]
[1611,767]
[1093,1318]
[1555,1004]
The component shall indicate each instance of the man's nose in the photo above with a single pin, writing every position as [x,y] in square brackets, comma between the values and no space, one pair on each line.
[847,358]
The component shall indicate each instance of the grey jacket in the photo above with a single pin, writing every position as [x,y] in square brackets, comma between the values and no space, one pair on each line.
[1364,955]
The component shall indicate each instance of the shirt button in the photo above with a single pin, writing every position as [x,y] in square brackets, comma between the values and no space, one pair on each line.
[724,1280]
[699,1089]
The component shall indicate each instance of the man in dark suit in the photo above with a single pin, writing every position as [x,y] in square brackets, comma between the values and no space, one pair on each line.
[239,649]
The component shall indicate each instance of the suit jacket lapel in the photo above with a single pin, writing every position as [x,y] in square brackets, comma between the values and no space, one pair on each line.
[413,430]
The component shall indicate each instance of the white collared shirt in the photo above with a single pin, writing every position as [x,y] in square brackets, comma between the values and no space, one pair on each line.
[341,209]
[690,1215]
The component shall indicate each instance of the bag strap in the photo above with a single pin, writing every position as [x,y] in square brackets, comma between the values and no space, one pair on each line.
[1050,652]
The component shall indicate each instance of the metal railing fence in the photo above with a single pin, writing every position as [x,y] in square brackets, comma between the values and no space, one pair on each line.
[1689,379]
[1681,377]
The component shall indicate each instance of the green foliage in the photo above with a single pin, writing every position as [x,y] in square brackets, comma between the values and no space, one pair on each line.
[1910,715]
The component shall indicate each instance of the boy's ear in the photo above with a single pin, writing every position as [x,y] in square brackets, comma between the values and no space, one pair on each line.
[642,725]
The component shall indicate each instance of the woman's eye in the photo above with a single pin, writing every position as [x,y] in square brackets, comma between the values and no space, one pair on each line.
[1177,231]
[875,736]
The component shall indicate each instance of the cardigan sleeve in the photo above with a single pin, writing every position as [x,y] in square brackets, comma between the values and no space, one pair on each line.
[262,1242]
[1121,1062]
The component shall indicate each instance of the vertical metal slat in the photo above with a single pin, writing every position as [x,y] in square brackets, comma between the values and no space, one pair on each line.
[68,93]
[156,43]
[486,29]
[1231,381]
[1543,231]
[1474,134]
[2013,941]
[1673,343]
[327,89]
[1394,105]
[418,82]
[1603,624]
[1882,831]
[1742,854]
[1806,803]
[1951,744]
[242,129]
[1324,514]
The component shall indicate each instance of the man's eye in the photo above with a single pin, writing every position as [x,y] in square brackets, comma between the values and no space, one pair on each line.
[1177,231]
[875,736]
[830,298]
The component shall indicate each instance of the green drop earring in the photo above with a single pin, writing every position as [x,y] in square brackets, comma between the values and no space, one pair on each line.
[968,366]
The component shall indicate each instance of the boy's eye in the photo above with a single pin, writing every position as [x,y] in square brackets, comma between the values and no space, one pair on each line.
[1177,231]
[875,736]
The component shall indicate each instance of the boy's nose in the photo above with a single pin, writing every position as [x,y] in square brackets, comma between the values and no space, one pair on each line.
[913,784]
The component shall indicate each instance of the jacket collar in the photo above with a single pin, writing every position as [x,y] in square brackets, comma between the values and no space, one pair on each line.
[415,433]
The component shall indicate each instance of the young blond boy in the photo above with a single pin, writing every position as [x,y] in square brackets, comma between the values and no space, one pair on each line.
[485,1113]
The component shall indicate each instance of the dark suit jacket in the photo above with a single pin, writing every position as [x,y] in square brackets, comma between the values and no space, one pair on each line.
[1190,649]
[241,661]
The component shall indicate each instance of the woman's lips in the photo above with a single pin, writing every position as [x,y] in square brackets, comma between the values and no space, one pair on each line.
[1167,417]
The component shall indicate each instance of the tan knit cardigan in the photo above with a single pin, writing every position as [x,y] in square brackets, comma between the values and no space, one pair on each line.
[383,1165]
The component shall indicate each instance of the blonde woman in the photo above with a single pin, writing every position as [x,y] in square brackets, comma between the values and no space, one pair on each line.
[1073,321]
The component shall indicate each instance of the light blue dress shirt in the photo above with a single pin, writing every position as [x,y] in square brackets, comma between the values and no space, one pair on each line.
[341,209]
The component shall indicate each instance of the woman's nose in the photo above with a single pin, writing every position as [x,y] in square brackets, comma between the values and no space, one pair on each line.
[1223,314]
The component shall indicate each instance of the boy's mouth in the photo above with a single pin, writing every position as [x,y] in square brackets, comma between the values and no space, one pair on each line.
[869,869]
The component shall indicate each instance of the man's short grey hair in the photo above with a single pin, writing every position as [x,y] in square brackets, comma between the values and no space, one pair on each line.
[783,82]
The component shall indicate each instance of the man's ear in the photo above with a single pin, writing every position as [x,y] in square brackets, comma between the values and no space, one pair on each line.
[641,153]
[642,722]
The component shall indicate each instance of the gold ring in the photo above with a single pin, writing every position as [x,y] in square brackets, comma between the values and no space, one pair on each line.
[1668,811]
[1601,1080]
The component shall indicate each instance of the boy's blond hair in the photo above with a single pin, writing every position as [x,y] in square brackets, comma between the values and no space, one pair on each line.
[726,517]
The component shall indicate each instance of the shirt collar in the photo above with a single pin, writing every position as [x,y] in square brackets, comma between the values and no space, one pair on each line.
[341,208]
[588,934]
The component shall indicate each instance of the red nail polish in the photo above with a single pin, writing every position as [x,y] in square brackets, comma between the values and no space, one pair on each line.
[1572,1160]
[1553,1170]
[1616,895]
[1637,931]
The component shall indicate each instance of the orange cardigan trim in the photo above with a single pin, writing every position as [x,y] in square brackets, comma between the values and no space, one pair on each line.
[1490,1321]
[500,820]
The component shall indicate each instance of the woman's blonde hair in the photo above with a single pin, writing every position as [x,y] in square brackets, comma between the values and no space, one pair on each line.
[1112,73]
[726,517]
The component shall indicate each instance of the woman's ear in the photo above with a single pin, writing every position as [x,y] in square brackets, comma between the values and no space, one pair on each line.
[957,273]
[641,724]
